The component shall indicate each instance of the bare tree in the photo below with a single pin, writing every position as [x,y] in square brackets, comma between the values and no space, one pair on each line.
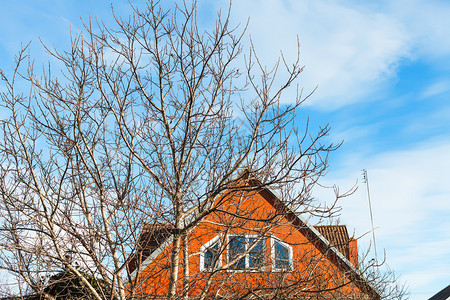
[143,125]
[384,279]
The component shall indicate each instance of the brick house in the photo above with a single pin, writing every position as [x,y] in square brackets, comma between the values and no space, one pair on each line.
[252,246]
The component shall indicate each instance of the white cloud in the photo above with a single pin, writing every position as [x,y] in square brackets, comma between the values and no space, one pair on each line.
[427,22]
[347,51]
[350,50]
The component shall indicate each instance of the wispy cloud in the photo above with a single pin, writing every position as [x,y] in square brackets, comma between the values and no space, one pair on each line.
[437,88]
[427,23]
[347,51]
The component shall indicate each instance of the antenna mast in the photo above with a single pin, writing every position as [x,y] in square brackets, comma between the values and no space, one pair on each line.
[366,181]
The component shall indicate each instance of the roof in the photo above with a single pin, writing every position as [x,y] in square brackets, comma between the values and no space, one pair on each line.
[327,247]
[67,285]
[337,235]
[442,295]
[152,236]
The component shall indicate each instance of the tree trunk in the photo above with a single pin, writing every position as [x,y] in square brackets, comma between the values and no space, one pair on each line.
[174,263]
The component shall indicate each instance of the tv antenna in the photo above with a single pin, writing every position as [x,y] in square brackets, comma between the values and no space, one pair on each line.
[366,181]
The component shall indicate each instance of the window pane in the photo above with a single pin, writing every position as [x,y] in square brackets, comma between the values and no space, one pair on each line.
[211,257]
[236,248]
[256,255]
[281,256]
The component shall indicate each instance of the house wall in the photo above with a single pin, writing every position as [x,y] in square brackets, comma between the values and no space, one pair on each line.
[250,213]
[353,249]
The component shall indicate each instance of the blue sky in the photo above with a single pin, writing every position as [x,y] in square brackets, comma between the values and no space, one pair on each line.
[382,72]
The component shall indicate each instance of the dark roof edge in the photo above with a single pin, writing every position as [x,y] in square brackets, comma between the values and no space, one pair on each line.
[442,294]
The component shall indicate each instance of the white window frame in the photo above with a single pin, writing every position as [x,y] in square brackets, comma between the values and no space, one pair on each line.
[203,248]
[247,268]
[274,240]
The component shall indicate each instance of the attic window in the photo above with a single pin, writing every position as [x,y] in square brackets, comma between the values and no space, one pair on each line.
[250,249]
[210,257]
[281,255]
